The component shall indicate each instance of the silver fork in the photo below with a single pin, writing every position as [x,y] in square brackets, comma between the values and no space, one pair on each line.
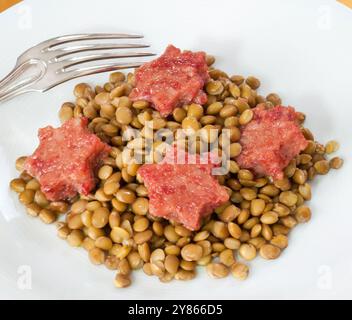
[45,66]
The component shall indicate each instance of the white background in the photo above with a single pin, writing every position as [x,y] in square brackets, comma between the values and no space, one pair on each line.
[299,49]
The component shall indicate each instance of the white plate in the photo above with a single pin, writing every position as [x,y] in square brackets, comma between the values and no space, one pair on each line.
[299,49]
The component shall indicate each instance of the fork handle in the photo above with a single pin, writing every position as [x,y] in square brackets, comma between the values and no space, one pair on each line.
[20,79]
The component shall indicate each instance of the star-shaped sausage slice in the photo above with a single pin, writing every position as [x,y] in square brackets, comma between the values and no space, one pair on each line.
[182,191]
[173,79]
[271,140]
[66,159]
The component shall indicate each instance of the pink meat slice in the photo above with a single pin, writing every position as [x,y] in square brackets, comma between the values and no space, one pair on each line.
[184,192]
[270,141]
[173,79]
[66,159]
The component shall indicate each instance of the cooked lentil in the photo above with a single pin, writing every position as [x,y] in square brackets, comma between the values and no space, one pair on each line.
[122,281]
[239,271]
[217,270]
[268,251]
[247,251]
[336,163]
[303,214]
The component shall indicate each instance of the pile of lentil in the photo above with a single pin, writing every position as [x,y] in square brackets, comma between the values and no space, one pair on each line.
[113,223]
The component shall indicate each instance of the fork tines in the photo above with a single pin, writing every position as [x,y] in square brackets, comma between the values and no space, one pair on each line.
[49,44]
[56,56]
